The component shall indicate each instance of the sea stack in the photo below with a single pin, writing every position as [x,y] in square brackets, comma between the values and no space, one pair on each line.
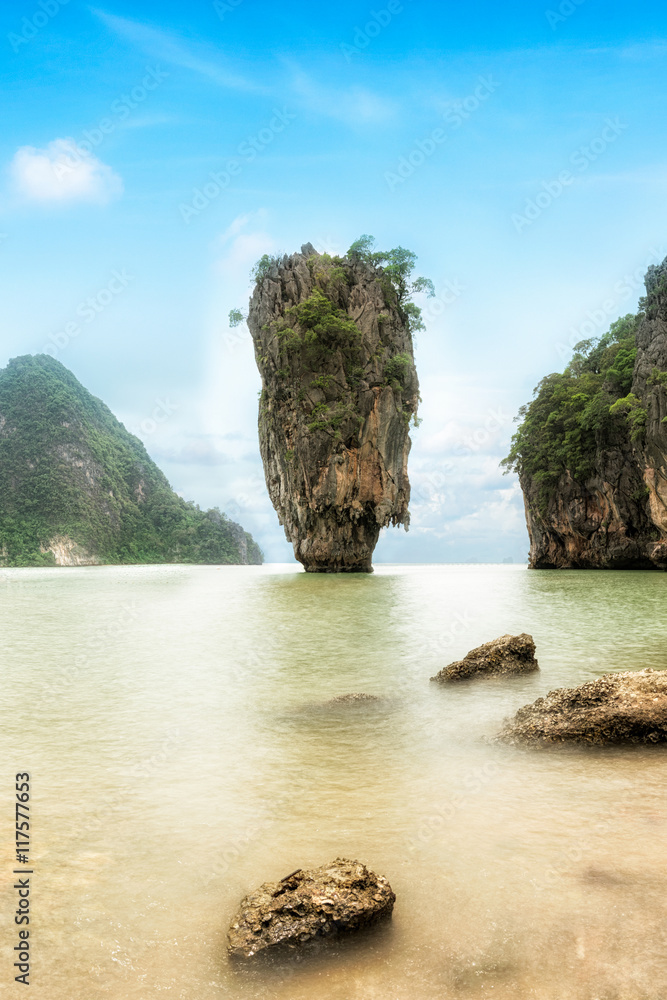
[591,452]
[333,345]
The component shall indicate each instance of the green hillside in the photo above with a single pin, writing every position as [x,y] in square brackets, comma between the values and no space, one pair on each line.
[72,478]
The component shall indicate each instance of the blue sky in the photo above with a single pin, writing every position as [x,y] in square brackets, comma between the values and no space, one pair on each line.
[150,153]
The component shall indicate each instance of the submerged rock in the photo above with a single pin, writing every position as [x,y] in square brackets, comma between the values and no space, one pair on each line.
[339,387]
[317,903]
[617,708]
[357,697]
[510,654]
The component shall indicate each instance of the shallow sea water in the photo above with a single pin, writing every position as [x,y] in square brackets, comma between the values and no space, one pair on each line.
[172,719]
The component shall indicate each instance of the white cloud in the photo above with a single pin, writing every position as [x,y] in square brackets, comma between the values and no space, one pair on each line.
[63,172]
[195,449]
[351,105]
[162,45]
[242,249]
[238,224]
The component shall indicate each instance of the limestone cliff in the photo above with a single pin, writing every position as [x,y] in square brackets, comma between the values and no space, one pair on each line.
[334,348]
[607,509]
[76,489]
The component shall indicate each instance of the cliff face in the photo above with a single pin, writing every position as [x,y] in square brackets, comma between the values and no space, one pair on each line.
[77,489]
[334,350]
[616,517]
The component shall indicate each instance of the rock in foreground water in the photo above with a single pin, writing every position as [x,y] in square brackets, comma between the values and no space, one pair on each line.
[339,897]
[356,698]
[510,654]
[617,708]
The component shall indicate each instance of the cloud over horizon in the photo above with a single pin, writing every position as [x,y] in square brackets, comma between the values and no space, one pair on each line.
[63,172]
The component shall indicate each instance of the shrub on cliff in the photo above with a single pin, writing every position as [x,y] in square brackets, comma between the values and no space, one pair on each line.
[396,267]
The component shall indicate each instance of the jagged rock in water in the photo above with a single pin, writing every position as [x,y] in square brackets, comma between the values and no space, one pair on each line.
[334,349]
[617,708]
[510,654]
[340,897]
[614,517]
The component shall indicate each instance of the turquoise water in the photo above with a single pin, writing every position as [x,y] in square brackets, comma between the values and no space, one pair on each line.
[173,721]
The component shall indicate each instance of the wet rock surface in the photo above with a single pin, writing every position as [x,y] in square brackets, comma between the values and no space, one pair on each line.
[356,698]
[510,654]
[339,388]
[337,898]
[617,708]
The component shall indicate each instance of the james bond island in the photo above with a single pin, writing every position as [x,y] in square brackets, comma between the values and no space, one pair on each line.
[591,451]
[333,343]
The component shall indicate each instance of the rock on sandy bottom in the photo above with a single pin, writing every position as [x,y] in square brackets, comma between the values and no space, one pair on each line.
[628,707]
[510,654]
[356,698]
[320,902]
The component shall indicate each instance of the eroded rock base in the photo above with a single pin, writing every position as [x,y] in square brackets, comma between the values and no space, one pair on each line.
[617,708]
[510,654]
[337,898]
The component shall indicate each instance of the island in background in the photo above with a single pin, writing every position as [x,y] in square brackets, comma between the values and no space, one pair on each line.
[77,489]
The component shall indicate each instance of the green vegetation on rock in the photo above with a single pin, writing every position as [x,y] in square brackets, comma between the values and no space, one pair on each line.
[397,368]
[319,324]
[396,267]
[573,414]
[263,266]
[314,332]
[70,470]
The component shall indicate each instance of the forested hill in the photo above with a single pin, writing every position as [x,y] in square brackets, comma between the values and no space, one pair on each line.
[76,488]
[591,450]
